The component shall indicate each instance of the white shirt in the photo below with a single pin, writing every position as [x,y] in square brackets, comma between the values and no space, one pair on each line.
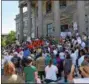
[48,49]
[74,58]
[47,43]
[79,40]
[17,42]
[69,33]
[44,54]
[76,52]
[63,34]
[55,52]
[59,46]
[83,45]
[51,72]
[75,41]
[81,59]
[62,55]
[8,58]
[20,54]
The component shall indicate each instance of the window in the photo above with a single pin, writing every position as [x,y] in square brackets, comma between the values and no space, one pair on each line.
[64,28]
[49,29]
[48,6]
[62,3]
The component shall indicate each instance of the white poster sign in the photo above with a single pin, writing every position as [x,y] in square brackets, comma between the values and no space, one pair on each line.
[33,35]
[28,39]
[17,42]
[75,26]
[63,34]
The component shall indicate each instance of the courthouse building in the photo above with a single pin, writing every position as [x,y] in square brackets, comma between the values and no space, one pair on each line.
[50,17]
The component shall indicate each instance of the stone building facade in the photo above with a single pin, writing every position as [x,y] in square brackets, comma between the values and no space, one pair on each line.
[48,17]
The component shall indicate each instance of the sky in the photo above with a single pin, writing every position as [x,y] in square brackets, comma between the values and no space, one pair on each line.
[9,11]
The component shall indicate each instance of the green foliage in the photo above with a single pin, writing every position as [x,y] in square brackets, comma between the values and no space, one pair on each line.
[3,42]
[9,39]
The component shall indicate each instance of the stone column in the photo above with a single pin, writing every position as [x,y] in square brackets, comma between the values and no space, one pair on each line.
[81,16]
[34,20]
[33,23]
[29,18]
[40,19]
[21,24]
[57,19]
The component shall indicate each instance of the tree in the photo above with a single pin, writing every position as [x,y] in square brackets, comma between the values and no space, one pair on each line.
[11,38]
[3,42]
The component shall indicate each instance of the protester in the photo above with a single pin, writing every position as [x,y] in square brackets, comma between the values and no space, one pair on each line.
[73,57]
[70,51]
[85,67]
[62,55]
[17,62]
[51,71]
[26,52]
[59,66]
[30,72]
[2,65]
[47,59]
[67,66]
[81,59]
[40,64]
[9,57]
[10,75]
[20,54]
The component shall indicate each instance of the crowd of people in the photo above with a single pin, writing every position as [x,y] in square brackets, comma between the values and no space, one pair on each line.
[46,60]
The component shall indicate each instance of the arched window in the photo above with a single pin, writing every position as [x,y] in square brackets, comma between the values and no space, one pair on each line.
[48,6]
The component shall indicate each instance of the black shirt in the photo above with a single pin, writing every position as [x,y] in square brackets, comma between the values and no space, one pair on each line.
[16,60]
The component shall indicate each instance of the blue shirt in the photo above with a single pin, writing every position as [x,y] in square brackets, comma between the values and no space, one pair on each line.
[47,60]
[26,53]
[54,61]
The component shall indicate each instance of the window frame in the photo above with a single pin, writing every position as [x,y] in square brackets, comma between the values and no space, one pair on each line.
[50,29]
[48,6]
[63,5]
